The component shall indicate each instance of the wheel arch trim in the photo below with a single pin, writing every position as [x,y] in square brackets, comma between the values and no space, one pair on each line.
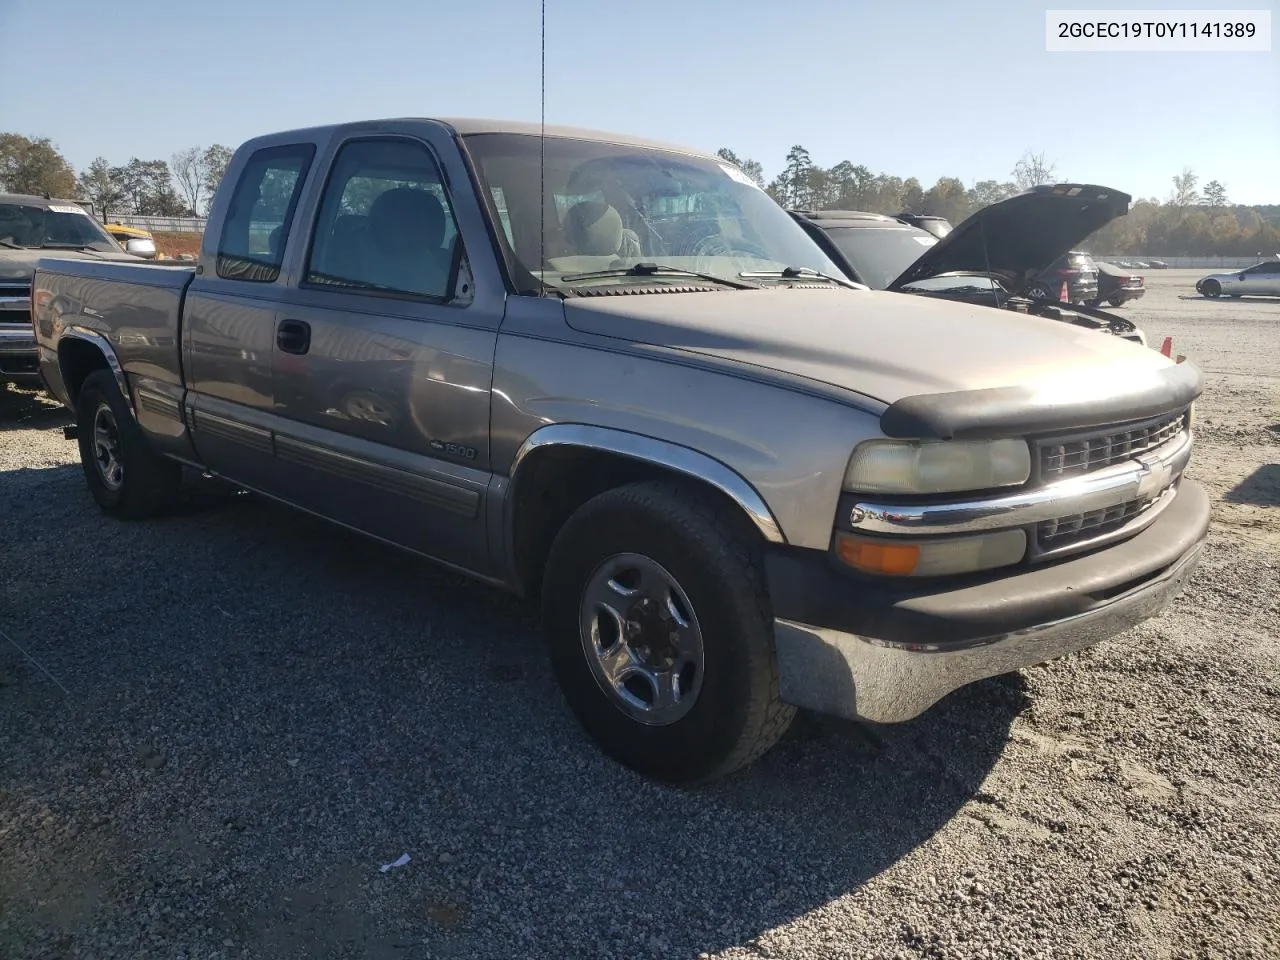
[103,345]
[645,449]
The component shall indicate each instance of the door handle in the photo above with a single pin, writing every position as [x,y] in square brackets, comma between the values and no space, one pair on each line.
[293,336]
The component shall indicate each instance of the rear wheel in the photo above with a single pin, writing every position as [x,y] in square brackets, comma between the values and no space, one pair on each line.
[125,476]
[1116,301]
[1211,288]
[660,633]
[1096,302]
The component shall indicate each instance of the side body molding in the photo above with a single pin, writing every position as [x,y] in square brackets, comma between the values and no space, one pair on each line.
[659,452]
[109,354]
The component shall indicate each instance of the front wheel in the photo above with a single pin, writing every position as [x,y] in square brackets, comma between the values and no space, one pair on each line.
[1116,301]
[1211,288]
[660,633]
[125,476]
[1039,291]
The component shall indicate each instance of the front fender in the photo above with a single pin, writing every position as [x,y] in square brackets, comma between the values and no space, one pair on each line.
[660,453]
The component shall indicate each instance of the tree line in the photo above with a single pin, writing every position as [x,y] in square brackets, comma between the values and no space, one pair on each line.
[1190,221]
[179,187]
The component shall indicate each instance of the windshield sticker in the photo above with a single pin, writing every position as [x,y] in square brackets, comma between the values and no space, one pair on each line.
[735,174]
[65,208]
[925,241]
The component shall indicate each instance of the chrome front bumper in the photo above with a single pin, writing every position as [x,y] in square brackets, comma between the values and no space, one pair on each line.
[858,678]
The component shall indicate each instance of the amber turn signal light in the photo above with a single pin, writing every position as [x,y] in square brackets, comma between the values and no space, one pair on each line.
[883,558]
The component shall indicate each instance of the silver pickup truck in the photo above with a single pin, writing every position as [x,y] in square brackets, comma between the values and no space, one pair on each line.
[614,375]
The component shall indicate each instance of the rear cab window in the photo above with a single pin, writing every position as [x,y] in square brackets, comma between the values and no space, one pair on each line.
[256,227]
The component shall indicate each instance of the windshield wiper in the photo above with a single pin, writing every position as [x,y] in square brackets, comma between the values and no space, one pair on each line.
[50,245]
[658,270]
[12,246]
[799,273]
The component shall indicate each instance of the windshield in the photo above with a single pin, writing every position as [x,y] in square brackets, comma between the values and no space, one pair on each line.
[609,207]
[55,225]
[881,254]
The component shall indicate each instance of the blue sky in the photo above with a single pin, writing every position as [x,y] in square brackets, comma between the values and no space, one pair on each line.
[919,89]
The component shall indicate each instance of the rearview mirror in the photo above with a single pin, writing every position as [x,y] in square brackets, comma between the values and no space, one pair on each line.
[140,247]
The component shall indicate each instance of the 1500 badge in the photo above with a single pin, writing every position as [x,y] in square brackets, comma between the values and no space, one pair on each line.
[453,449]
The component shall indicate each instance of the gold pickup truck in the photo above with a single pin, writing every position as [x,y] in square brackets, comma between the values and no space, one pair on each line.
[615,376]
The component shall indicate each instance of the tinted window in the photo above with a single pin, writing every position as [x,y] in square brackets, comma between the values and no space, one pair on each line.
[881,254]
[257,222]
[385,223]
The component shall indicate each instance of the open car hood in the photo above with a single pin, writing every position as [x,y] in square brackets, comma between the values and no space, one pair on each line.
[1017,239]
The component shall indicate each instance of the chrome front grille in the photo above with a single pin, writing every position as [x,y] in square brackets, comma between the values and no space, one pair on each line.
[15,301]
[1063,457]
[1068,531]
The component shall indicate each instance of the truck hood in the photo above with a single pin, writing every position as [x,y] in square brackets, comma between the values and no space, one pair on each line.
[21,264]
[875,343]
[1017,239]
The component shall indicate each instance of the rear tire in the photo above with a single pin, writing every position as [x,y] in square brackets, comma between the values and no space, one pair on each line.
[125,476]
[713,634]
[1094,303]
[1211,288]
[1116,301]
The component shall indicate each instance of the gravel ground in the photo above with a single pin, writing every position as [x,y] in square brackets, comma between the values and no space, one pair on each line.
[239,714]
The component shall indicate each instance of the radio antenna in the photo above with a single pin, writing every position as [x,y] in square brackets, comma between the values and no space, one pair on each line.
[542,166]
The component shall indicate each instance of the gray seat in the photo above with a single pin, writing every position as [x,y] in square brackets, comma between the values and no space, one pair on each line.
[593,228]
[406,237]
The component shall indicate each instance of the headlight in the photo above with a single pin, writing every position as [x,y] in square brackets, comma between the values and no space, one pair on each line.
[937,466]
[1191,417]
[931,558]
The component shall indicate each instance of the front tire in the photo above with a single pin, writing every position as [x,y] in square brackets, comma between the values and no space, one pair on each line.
[1211,288]
[1039,291]
[1116,301]
[125,476]
[660,633]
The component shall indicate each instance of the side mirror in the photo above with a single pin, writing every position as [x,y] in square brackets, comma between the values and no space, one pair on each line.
[140,247]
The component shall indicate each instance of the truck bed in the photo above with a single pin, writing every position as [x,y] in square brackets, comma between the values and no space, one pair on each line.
[135,307]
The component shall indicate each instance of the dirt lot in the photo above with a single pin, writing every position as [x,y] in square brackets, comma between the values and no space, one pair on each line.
[239,714]
[172,244]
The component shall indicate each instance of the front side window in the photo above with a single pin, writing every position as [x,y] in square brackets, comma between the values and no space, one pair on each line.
[256,227]
[385,223]
[52,226]
[608,207]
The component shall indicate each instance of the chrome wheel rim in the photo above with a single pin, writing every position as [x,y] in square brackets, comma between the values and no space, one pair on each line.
[106,448]
[642,639]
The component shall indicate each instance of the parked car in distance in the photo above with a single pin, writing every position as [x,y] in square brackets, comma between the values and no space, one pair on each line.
[32,228]
[1260,280]
[1077,269]
[1117,286]
[738,482]
[1156,265]
[996,257]
[134,240]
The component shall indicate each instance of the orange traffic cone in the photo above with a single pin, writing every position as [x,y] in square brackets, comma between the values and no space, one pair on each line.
[1064,295]
[1167,347]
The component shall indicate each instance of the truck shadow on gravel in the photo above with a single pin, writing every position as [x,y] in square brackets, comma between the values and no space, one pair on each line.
[256,695]
[28,410]
[1261,488]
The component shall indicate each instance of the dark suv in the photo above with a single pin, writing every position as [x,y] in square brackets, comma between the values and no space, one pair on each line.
[1077,269]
